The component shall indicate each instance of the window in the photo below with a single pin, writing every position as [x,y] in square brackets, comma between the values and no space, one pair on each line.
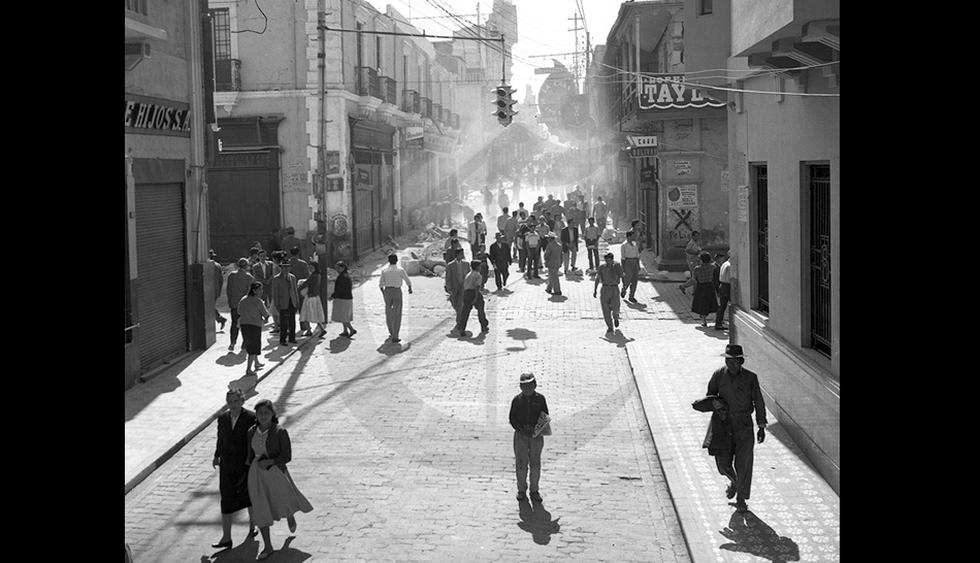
[706,7]
[377,53]
[138,6]
[819,236]
[760,179]
[222,34]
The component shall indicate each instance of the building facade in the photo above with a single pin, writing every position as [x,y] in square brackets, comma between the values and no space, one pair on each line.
[782,60]
[169,292]
[672,137]
[387,142]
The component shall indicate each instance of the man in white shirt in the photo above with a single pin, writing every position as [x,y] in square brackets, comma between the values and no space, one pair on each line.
[599,211]
[591,235]
[391,288]
[631,266]
[471,298]
[502,220]
[724,290]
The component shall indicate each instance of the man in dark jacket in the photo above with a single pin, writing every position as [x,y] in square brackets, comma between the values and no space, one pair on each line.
[301,269]
[239,283]
[525,410]
[740,390]
[501,259]
[569,245]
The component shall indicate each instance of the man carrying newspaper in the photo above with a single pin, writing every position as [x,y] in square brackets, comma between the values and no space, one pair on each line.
[530,418]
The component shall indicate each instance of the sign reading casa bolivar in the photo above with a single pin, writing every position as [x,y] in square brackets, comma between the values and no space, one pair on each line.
[667,91]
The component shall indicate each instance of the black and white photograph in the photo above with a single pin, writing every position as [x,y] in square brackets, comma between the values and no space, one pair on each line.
[481,280]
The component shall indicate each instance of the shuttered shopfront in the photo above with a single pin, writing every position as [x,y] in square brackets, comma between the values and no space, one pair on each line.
[162,305]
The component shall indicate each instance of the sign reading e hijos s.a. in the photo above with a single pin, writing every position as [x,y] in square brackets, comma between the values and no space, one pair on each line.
[668,91]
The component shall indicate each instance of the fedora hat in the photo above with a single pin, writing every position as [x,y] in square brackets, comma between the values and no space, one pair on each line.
[527,378]
[733,351]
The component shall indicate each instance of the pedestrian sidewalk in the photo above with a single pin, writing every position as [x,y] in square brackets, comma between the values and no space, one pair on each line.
[168,410]
[794,515]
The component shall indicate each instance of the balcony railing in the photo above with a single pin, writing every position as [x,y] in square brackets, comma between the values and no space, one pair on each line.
[411,101]
[426,107]
[367,82]
[389,90]
[629,102]
[228,75]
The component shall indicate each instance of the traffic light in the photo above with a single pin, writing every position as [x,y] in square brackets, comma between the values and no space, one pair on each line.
[502,105]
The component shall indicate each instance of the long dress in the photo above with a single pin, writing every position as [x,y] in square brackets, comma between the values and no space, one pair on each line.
[343,300]
[312,310]
[272,491]
[704,301]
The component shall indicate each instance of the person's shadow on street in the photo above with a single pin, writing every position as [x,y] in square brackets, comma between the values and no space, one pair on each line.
[749,534]
[712,333]
[393,348]
[231,359]
[537,522]
[558,298]
[248,550]
[618,338]
[638,306]
[339,344]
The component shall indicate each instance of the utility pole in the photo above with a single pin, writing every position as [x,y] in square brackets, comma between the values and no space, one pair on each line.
[577,60]
[320,187]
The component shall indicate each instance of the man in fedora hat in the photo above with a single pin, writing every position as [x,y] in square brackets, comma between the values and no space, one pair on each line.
[552,261]
[525,409]
[740,390]
[285,298]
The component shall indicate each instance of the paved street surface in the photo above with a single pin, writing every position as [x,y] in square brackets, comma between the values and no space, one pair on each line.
[406,454]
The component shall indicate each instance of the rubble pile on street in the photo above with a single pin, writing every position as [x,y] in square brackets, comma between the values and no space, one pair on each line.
[427,258]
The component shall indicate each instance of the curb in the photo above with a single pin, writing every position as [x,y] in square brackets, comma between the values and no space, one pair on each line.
[169,453]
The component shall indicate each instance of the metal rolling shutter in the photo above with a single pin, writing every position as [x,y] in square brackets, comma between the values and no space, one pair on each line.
[160,263]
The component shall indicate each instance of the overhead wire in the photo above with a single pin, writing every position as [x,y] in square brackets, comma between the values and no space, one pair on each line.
[265,24]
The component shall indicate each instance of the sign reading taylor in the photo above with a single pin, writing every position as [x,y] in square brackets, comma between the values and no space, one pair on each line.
[151,115]
[667,91]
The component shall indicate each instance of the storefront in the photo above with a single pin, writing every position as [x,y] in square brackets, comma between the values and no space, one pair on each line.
[372,185]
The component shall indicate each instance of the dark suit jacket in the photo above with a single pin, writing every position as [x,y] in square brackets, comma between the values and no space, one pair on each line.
[278,447]
[500,255]
[232,445]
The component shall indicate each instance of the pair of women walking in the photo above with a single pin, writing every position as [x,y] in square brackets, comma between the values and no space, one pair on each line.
[251,453]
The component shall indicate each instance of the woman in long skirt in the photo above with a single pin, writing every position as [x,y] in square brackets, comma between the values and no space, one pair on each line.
[343,300]
[312,311]
[704,302]
[230,454]
[271,489]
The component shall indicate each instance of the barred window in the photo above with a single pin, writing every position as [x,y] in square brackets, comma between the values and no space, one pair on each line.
[222,34]
[138,6]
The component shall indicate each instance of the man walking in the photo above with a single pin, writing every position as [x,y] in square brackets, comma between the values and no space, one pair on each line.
[456,271]
[538,206]
[740,389]
[239,283]
[724,289]
[552,261]
[521,212]
[631,266]
[525,410]
[591,234]
[600,210]
[609,275]
[219,281]
[301,269]
[501,259]
[471,298]
[533,241]
[285,298]
[569,245]
[478,235]
[391,289]
[520,243]
[502,220]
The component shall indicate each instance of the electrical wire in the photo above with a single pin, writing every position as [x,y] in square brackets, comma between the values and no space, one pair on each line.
[712,87]
[265,24]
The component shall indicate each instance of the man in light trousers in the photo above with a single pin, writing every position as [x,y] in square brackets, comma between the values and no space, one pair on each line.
[391,287]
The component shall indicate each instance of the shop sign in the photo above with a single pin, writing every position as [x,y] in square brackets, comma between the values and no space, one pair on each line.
[682,167]
[156,116]
[643,152]
[642,140]
[668,91]
[685,196]
[414,132]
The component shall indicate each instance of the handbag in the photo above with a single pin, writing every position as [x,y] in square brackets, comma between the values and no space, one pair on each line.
[543,427]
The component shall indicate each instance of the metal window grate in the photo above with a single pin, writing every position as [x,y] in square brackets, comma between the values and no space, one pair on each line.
[222,34]
[820,289]
[762,236]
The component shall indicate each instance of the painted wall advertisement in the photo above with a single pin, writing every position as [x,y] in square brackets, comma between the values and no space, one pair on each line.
[742,204]
[668,91]
[683,213]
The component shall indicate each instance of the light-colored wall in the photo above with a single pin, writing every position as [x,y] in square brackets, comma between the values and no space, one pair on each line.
[756,20]
[707,39]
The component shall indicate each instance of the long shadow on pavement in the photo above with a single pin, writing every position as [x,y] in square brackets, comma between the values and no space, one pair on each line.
[710,332]
[143,394]
[232,359]
[537,522]
[749,534]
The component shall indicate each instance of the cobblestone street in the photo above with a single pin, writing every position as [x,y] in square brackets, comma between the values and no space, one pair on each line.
[405,451]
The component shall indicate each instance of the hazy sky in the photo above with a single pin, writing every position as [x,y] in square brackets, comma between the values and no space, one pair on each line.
[542,28]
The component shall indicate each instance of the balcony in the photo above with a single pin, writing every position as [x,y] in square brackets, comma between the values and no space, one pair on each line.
[437,112]
[368,83]
[227,75]
[389,90]
[426,107]
[410,101]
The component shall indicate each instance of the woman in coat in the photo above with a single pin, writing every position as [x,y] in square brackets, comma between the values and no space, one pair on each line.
[343,300]
[705,301]
[270,487]
[312,311]
[230,454]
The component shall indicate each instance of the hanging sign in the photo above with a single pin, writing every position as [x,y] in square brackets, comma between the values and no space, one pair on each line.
[157,116]
[668,91]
